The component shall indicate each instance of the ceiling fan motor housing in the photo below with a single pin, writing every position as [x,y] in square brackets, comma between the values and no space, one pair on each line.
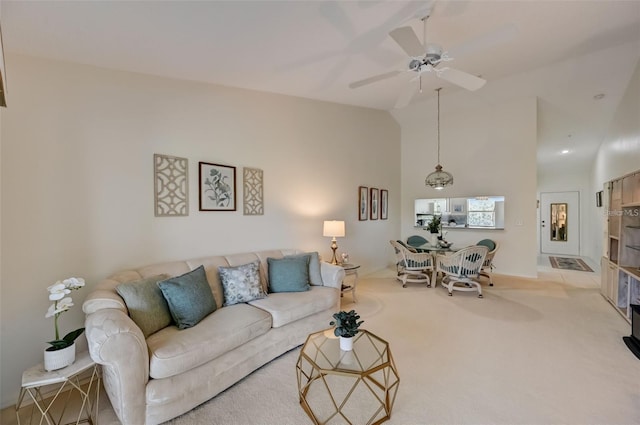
[431,59]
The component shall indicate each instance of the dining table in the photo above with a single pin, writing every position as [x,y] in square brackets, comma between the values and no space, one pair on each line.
[435,249]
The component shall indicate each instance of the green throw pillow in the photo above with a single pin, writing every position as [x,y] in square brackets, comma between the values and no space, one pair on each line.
[241,284]
[315,277]
[289,274]
[147,307]
[189,297]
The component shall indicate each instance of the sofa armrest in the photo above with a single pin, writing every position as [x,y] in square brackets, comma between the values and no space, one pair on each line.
[332,275]
[102,299]
[116,343]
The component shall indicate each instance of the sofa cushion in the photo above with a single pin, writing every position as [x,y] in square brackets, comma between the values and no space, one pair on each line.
[287,307]
[289,274]
[146,304]
[315,277]
[189,297]
[173,351]
[241,283]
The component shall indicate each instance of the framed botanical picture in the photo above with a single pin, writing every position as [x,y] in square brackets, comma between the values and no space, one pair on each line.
[363,203]
[217,185]
[373,203]
[384,204]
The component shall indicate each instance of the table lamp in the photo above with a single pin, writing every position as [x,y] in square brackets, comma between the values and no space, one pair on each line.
[333,229]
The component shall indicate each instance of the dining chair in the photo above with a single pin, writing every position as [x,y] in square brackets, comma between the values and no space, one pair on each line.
[460,270]
[416,240]
[413,267]
[492,246]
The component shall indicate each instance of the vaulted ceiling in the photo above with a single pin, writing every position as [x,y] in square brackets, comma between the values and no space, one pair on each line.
[564,52]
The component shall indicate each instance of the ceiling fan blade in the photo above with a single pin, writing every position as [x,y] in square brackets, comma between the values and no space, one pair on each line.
[462,79]
[408,40]
[336,15]
[373,79]
[486,41]
[405,97]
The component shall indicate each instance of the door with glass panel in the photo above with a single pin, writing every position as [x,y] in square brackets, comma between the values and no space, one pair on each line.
[560,223]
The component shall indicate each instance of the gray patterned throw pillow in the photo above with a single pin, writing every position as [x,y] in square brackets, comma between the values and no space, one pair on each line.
[241,284]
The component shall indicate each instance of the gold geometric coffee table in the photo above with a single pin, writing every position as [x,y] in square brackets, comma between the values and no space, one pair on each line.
[351,387]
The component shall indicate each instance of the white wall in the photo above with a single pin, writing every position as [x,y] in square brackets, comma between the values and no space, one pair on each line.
[77,182]
[619,154]
[490,148]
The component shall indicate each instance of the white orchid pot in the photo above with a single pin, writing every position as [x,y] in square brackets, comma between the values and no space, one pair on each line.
[346,344]
[54,360]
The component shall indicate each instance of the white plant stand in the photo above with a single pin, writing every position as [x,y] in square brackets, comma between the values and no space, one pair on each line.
[36,379]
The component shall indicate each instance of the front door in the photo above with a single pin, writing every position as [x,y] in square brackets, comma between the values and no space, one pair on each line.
[560,223]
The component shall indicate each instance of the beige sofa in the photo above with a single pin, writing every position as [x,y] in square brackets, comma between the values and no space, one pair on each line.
[172,371]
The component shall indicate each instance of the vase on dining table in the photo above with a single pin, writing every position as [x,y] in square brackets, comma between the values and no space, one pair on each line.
[433,239]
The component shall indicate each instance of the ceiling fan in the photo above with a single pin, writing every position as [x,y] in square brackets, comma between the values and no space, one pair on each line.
[427,58]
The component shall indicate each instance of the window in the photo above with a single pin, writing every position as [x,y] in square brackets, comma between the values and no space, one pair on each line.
[481,212]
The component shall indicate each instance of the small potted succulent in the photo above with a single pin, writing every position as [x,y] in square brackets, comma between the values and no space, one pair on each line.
[346,327]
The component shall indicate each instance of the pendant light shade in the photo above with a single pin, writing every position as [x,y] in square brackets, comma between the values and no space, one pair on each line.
[439,178]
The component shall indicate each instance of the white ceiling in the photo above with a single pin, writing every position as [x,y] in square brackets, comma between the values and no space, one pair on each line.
[315,49]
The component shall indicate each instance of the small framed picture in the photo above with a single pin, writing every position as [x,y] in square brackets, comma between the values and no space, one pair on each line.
[217,185]
[363,203]
[457,208]
[373,203]
[599,199]
[384,204]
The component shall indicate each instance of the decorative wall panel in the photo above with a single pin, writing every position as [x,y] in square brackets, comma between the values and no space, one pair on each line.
[171,181]
[253,184]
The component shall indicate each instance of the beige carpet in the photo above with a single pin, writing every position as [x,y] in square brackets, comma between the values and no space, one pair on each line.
[542,351]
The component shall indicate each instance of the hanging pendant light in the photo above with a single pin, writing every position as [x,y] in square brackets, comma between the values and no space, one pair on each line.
[439,178]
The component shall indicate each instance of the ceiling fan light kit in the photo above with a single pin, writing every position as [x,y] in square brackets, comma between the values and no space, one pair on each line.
[439,179]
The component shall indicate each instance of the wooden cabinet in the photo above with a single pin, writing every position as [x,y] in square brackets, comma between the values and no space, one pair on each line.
[621,267]
[627,188]
[631,189]
[609,279]
[615,203]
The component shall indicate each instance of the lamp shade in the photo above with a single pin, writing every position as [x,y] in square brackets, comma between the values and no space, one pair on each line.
[333,228]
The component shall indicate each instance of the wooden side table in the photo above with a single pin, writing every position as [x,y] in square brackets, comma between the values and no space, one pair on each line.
[35,378]
[350,270]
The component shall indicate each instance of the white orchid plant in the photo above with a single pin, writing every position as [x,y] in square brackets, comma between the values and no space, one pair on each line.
[58,294]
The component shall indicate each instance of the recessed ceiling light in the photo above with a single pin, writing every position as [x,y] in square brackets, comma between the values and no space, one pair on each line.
[599,96]
[565,151]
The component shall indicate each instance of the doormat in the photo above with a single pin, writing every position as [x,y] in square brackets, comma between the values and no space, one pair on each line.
[569,264]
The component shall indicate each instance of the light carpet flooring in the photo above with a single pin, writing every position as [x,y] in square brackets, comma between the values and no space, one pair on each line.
[533,351]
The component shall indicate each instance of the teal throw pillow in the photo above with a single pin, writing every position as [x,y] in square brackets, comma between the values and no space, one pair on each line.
[189,297]
[241,284]
[315,277]
[289,274]
[146,304]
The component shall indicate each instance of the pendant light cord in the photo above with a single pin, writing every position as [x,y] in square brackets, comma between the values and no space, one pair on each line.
[438,90]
